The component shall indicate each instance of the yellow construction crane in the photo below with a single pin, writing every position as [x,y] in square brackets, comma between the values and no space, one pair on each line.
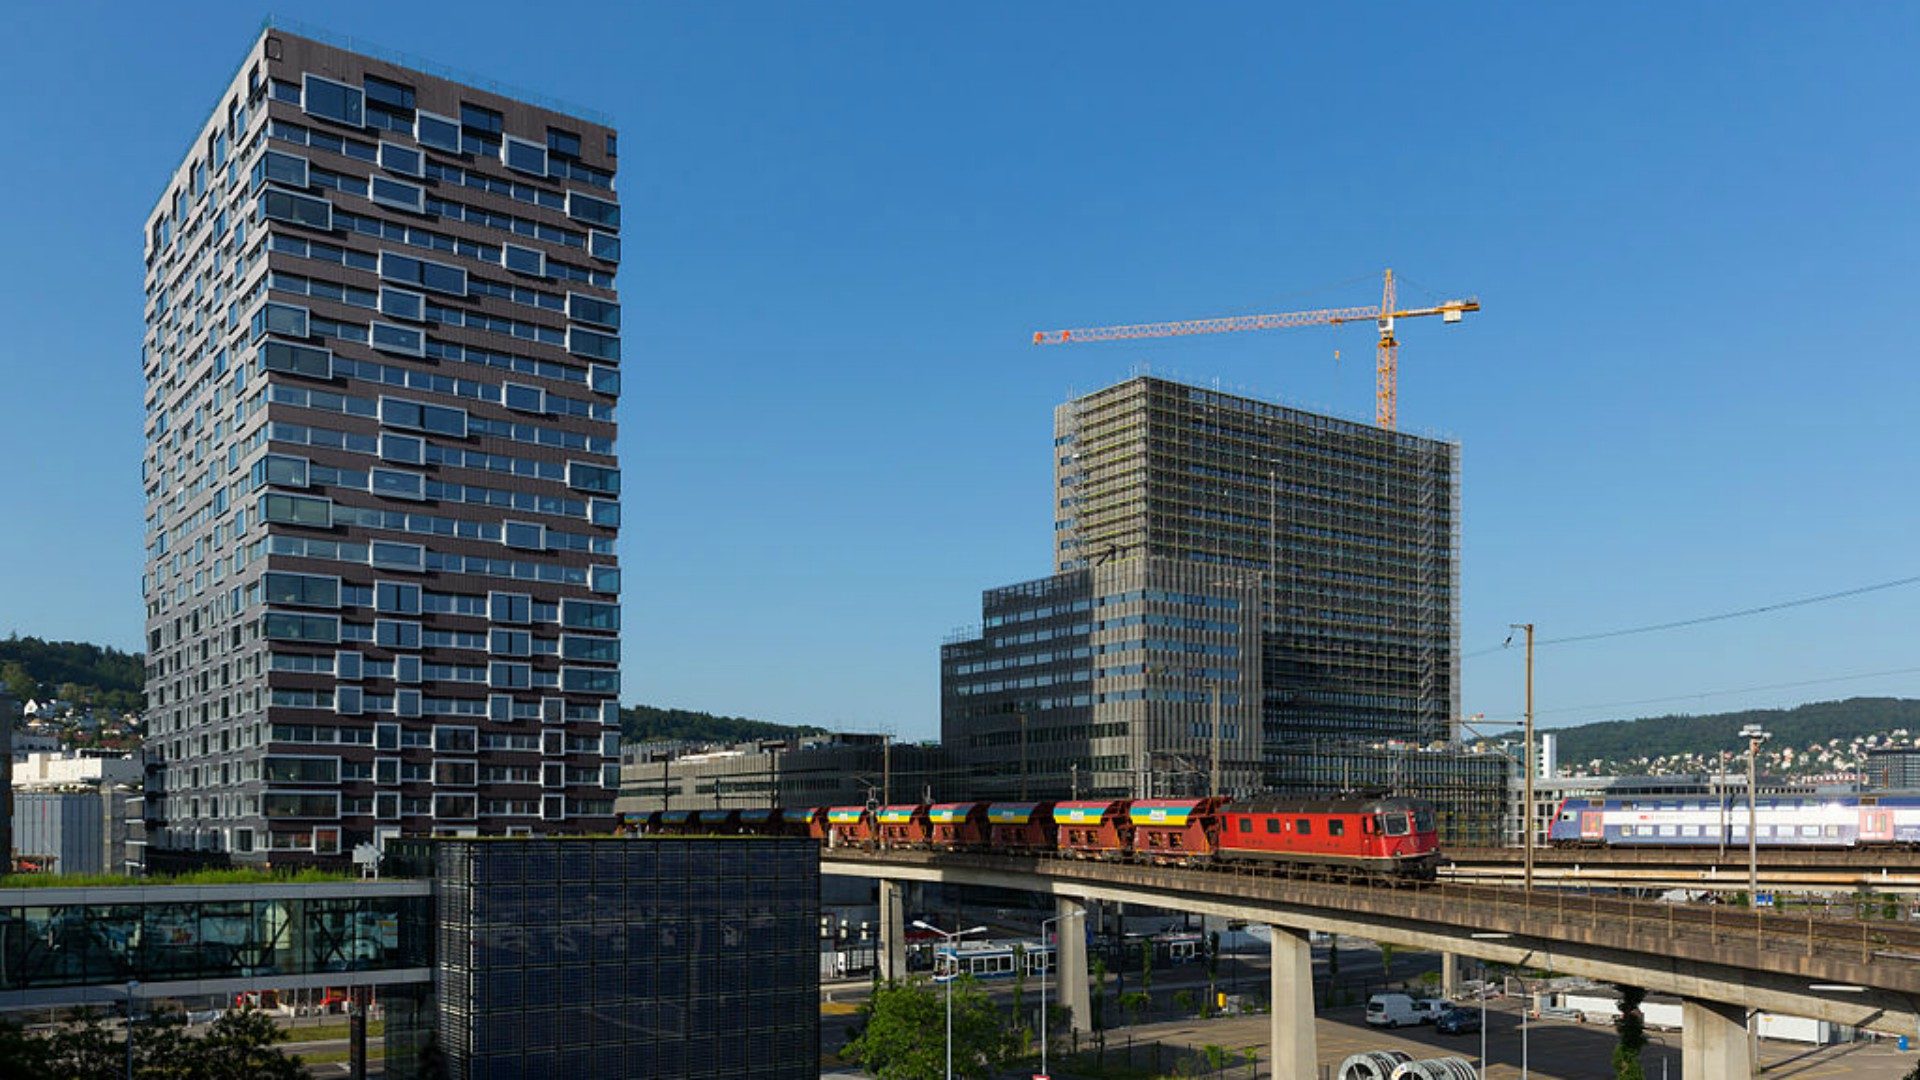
[1386,360]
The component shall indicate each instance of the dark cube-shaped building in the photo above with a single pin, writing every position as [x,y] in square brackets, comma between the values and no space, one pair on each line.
[627,959]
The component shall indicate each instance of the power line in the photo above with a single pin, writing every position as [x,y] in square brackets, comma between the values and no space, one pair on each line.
[1704,619]
[1721,693]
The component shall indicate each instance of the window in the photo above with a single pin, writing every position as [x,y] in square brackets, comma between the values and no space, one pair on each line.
[389,555]
[334,101]
[575,680]
[347,700]
[596,211]
[398,96]
[1246,825]
[521,534]
[399,339]
[590,310]
[585,477]
[1336,827]
[296,510]
[399,485]
[396,598]
[479,118]
[298,209]
[406,449]
[505,676]
[301,770]
[300,804]
[526,157]
[288,169]
[613,145]
[510,607]
[524,260]
[1303,826]
[563,143]
[394,634]
[437,132]
[297,359]
[280,471]
[281,319]
[346,665]
[604,579]
[305,590]
[605,650]
[456,773]
[455,807]
[406,669]
[406,703]
[604,512]
[398,194]
[402,304]
[583,342]
[604,380]
[437,277]
[455,739]
[525,398]
[440,419]
[286,626]
[401,159]
[553,807]
[589,615]
[603,246]
[386,736]
[510,643]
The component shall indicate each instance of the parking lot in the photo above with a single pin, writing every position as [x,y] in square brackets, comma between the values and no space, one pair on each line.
[1556,1050]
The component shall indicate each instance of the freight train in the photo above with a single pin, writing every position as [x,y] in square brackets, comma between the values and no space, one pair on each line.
[1386,838]
[1833,821]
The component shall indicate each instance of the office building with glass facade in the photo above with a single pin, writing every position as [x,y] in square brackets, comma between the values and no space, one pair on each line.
[382,358]
[663,957]
[1289,577]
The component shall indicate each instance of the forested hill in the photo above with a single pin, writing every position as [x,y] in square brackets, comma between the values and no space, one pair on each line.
[73,670]
[645,723]
[1658,736]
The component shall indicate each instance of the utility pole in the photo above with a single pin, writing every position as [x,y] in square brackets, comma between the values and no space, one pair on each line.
[1755,735]
[1073,778]
[1023,756]
[886,770]
[1526,810]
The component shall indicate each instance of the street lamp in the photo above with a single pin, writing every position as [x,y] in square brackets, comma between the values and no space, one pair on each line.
[1483,1000]
[1053,969]
[1755,735]
[952,973]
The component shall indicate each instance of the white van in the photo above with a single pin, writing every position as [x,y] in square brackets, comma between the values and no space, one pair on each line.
[1391,1010]
[1429,1009]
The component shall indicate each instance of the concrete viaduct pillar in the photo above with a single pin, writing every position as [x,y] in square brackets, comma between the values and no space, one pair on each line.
[1449,975]
[892,953]
[1713,1041]
[1295,1053]
[1070,961]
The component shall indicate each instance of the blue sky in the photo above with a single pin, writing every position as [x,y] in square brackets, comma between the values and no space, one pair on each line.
[1691,390]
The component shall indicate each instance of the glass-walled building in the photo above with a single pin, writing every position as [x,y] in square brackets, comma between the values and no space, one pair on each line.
[382,356]
[664,957]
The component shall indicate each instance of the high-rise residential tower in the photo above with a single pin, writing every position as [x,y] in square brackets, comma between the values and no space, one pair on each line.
[1236,582]
[382,358]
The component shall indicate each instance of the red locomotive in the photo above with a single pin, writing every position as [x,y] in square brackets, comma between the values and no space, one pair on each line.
[1389,838]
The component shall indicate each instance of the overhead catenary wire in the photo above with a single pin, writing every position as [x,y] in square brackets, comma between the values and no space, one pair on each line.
[1679,624]
[1714,693]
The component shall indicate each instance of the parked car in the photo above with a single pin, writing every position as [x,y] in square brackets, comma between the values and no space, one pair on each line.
[1458,1022]
[1391,1010]
[1429,1009]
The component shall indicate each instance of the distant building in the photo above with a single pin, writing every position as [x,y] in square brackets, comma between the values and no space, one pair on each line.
[1893,767]
[603,959]
[822,770]
[76,831]
[67,769]
[9,720]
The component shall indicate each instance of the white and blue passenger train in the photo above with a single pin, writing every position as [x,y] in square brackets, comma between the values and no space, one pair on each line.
[1809,821]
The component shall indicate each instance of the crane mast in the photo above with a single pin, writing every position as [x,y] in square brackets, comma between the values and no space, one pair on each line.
[1386,353]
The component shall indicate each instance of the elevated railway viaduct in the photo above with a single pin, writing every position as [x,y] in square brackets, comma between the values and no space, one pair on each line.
[1720,961]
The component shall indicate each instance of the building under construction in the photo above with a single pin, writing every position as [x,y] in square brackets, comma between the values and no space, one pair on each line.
[1292,577]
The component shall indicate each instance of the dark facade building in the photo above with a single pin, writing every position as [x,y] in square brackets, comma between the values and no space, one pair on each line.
[1893,767]
[382,359]
[824,770]
[1240,588]
[658,958]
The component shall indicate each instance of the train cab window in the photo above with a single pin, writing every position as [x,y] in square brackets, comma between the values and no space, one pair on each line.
[1303,826]
[1423,820]
[1336,827]
[1273,825]
[1394,824]
[1246,824]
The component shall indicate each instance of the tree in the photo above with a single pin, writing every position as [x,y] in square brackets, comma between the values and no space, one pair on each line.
[1185,1000]
[1099,993]
[1217,1057]
[1213,972]
[27,1057]
[1019,987]
[1386,961]
[1631,1026]
[238,1046]
[905,1033]
[19,683]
